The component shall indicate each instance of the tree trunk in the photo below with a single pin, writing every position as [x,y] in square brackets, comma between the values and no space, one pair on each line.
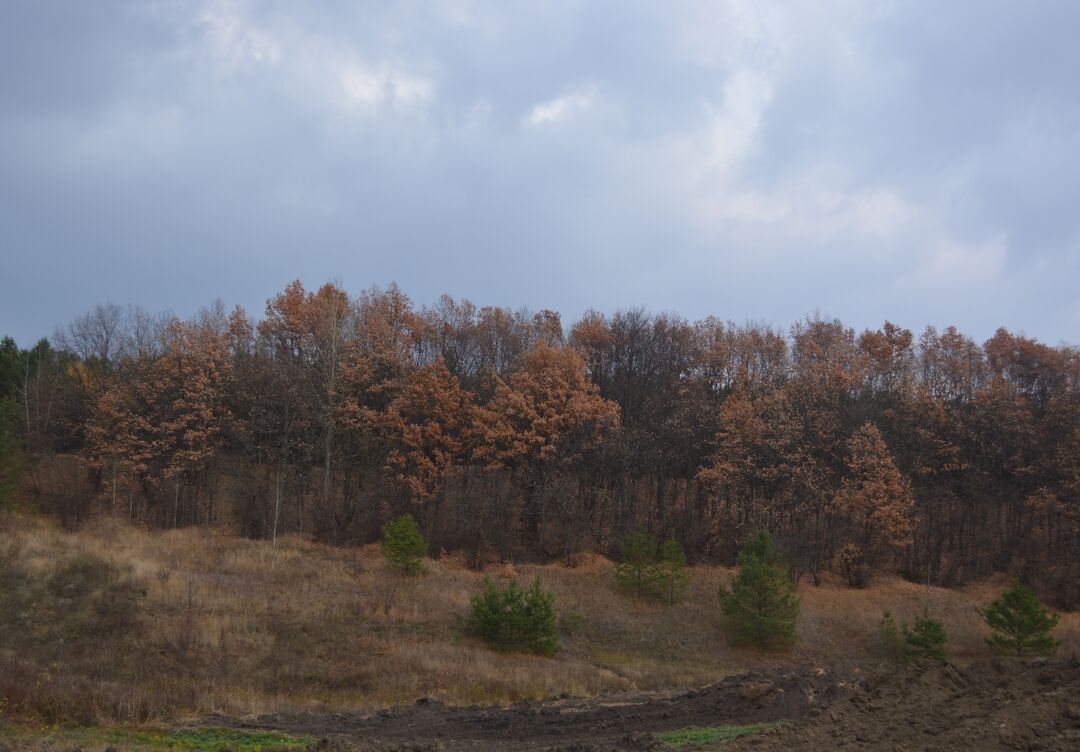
[277,506]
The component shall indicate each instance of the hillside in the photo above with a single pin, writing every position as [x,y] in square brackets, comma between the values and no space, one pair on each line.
[117,624]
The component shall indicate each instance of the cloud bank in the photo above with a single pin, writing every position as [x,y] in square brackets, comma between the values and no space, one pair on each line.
[911,161]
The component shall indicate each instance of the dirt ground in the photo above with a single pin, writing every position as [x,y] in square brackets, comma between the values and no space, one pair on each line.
[994,705]
[622,721]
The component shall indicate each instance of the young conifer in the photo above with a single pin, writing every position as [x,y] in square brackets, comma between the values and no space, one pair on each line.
[1021,625]
[925,638]
[403,545]
[761,607]
[514,619]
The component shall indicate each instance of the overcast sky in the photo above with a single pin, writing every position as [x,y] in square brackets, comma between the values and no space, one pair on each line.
[911,161]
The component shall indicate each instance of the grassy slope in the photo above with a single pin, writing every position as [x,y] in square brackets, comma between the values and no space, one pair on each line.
[222,624]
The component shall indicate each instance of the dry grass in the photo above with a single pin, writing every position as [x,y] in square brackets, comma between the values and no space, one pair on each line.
[838,620]
[237,626]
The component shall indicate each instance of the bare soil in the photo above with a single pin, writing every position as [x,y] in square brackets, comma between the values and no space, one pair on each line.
[623,721]
[989,706]
[993,705]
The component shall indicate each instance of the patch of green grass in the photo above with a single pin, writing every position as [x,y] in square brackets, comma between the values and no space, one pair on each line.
[214,739]
[710,734]
[208,739]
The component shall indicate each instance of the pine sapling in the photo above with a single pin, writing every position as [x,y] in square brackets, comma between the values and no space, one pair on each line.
[403,546]
[761,607]
[1021,625]
[925,638]
[514,619]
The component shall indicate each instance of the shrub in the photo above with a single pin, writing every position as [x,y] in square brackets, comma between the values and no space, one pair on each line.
[403,545]
[925,638]
[1021,625]
[514,619]
[761,606]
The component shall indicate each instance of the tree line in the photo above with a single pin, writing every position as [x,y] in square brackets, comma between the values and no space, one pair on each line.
[507,435]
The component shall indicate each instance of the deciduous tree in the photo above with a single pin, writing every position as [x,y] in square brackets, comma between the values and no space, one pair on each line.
[875,502]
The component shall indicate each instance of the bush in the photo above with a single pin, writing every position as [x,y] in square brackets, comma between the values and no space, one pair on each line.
[761,606]
[925,639]
[514,619]
[1021,625]
[403,545]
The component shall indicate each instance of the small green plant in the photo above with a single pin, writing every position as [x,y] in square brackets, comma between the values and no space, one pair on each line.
[220,739]
[761,607]
[637,571]
[1021,625]
[207,739]
[403,545]
[514,619]
[925,638]
[710,734]
[889,634]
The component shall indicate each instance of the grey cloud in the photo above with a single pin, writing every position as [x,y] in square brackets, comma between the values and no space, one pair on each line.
[171,153]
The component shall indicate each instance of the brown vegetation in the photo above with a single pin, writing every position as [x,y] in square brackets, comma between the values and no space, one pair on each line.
[117,623]
[508,437]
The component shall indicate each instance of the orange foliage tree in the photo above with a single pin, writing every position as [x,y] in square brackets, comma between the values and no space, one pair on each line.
[874,502]
[430,427]
[547,418]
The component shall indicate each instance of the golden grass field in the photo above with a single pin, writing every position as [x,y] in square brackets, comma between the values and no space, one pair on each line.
[226,625]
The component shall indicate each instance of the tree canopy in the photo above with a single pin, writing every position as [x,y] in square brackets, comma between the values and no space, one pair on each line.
[507,434]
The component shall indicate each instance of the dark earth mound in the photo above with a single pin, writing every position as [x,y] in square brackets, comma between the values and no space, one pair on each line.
[999,705]
[618,721]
